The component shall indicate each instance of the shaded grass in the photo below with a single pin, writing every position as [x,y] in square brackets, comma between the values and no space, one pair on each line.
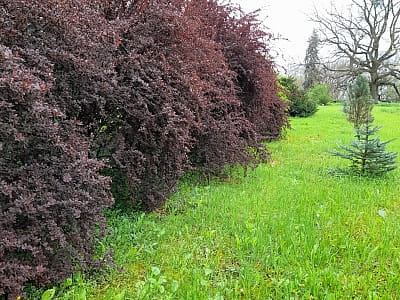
[287,230]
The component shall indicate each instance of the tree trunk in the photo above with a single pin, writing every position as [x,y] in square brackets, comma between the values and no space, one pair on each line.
[374,92]
[374,86]
[397,92]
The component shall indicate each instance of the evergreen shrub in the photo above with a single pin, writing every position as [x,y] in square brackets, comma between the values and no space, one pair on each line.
[320,94]
[300,105]
[367,154]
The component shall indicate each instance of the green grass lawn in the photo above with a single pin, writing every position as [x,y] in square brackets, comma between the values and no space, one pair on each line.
[287,230]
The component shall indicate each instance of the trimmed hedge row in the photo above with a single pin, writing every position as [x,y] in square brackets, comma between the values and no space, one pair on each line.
[152,88]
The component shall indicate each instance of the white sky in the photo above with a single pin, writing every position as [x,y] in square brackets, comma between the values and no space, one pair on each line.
[288,18]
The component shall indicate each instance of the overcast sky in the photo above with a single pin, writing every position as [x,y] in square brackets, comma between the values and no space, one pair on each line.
[288,18]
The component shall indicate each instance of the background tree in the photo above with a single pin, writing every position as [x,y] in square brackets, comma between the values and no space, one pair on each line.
[312,62]
[367,37]
[391,93]
[338,82]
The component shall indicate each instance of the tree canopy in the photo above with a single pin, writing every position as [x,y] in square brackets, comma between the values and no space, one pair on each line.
[365,39]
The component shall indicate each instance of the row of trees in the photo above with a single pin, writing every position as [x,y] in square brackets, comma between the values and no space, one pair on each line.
[146,89]
[363,38]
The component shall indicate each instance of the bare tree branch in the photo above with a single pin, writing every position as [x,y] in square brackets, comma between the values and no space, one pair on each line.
[366,37]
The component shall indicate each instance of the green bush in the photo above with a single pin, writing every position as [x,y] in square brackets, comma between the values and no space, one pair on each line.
[320,94]
[300,105]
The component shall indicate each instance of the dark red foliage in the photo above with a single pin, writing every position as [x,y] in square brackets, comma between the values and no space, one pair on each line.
[51,196]
[245,45]
[158,87]
[175,65]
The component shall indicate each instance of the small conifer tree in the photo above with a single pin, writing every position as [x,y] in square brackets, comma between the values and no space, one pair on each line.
[359,104]
[367,154]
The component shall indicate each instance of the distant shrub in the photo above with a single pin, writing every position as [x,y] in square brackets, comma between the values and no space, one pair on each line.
[320,94]
[300,105]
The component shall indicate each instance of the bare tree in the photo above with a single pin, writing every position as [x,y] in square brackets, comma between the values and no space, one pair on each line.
[337,81]
[367,37]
